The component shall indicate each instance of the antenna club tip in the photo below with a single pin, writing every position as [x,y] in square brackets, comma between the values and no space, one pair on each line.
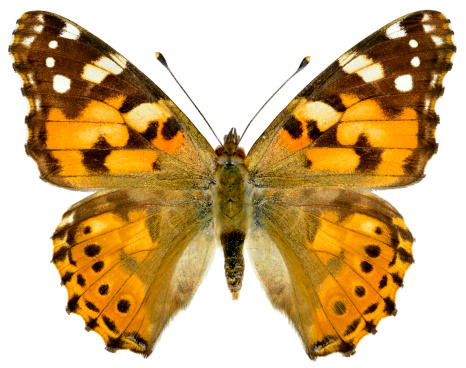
[304,63]
[161,58]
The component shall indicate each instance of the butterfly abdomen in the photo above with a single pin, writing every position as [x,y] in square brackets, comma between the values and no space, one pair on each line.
[232,195]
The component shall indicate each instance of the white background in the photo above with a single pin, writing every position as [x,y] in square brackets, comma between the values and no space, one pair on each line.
[231,56]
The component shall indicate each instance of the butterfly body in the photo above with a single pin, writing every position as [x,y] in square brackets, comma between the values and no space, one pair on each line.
[330,254]
[232,194]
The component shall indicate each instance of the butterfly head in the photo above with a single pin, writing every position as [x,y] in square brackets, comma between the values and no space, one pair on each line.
[230,152]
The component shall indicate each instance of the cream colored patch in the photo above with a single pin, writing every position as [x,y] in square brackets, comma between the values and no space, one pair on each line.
[428,28]
[345,58]
[437,40]
[140,117]
[426,17]
[109,65]
[364,67]
[413,43]
[120,60]
[53,44]
[324,114]
[50,62]
[427,105]
[27,41]
[395,31]
[30,78]
[93,73]
[67,220]
[404,83]
[415,61]
[371,73]
[37,104]
[40,18]
[99,69]
[39,28]
[70,32]
[435,78]
[61,84]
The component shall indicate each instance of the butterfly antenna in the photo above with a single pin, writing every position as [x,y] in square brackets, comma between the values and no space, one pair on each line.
[162,60]
[303,64]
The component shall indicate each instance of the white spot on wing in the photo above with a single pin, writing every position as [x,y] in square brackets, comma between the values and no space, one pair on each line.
[120,60]
[415,61]
[435,78]
[109,65]
[39,28]
[428,28]
[93,74]
[437,40]
[50,62]
[31,79]
[413,43]
[99,69]
[426,17]
[364,67]
[427,105]
[371,73]
[70,32]
[37,104]
[404,83]
[61,84]
[395,31]
[40,18]
[53,44]
[27,41]
[66,220]
[345,58]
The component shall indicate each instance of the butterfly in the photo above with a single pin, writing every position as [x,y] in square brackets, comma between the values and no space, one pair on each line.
[329,254]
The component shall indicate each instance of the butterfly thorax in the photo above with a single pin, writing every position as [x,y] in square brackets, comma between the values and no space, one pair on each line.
[232,196]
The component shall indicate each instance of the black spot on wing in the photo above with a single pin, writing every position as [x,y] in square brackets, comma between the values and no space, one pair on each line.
[81,280]
[94,158]
[369,157]
[294,127]
[98,266]
[72,304]
[371,309]
[92,250]
[91,306]
[109,323]
[170,128]
[352,327]
[66,277]
[313,131]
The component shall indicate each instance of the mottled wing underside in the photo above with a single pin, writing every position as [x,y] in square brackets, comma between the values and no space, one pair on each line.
[130,259]
[368,120]
[332,260]
[95,120]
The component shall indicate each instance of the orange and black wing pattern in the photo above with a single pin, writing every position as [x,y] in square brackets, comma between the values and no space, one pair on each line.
[368,120]
[95,120]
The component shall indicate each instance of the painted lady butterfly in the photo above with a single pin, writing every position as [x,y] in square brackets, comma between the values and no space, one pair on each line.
[331,256]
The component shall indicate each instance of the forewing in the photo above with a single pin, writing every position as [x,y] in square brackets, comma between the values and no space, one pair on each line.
[95,120]
[368,120]
[332,260]
[131,259]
